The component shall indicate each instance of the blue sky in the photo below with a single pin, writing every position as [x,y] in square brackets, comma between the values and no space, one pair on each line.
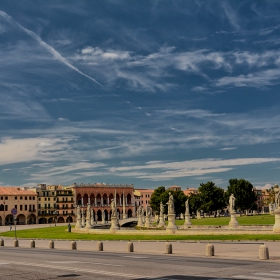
[144,92]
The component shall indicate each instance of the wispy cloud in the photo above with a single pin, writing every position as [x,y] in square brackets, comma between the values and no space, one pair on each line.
[49,48]
[170,170]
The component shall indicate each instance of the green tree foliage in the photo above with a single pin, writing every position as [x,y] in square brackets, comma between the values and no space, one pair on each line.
[212,198]
[194,203]
[161,194]
[243,191]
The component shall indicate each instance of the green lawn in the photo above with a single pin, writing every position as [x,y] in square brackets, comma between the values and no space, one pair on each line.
[224,221]
[61,233]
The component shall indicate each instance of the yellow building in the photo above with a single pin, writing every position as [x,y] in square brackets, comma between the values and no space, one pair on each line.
[25,201]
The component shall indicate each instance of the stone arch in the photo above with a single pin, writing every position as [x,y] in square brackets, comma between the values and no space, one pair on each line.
[106,215]
[91,198]
[42,221]
[111,196]
[1,221]
[129,213]
[21,219]
[99,215]
[50,220]
[128,199]
[31,219]
[85,199]
[69,219]
[9,219]
[118,199]
[79,199]
[60,220]
[105,199]
[98,199]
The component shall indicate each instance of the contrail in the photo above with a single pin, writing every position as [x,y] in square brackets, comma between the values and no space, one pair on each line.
[49,48]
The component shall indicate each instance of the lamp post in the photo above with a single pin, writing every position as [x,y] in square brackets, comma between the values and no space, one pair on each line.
[55,217]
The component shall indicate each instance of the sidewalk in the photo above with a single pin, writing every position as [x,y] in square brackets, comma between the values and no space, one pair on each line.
[223,250]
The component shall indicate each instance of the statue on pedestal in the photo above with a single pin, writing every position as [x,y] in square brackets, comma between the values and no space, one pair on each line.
[88,211]
[161,209]
[187,211]
[170,204]
[113,208]
[232,203]
[277,196]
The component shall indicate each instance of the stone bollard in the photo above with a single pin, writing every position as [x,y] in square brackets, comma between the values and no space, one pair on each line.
[168,248]
[15,243]
[32,244]
[99,246]
[73,245]
[263,252]
[1,242]
[210,250]
[129,247]
[51,244]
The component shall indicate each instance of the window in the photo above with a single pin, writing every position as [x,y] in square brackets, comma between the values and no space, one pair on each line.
[48,199]
[45,199]
[6,198]
[16,206]
[30,198]
[52,193]
[1,197]
[21,197]
[39,206]
[39,198]
[33,197]
[15,197]
[20,207]
[25,207]
[6,207]
[25,198]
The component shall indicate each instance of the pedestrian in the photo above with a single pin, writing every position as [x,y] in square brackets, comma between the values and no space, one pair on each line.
[11,228]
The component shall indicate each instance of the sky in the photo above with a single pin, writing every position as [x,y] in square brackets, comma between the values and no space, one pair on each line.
[148,93]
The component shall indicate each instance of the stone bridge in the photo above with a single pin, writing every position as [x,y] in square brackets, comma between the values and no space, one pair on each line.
[128,222]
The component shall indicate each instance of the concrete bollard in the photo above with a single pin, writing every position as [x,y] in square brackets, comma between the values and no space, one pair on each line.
[51,244]
[129,247]
[15,243]
[32,244]
[210,250]
[263,252]
[1,242]
[73,245]
[99,246]
[168,248]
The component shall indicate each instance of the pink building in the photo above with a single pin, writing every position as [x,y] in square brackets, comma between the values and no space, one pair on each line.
[142,197]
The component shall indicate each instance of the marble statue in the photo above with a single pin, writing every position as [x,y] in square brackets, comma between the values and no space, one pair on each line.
[187,212]
[277,196]
[78,212]
[88,211]
[113,208]
[161,209]
[170,204]
[232,203]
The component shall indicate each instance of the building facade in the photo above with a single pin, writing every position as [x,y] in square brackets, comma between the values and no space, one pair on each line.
[145,196]
[100,195]
[24,201]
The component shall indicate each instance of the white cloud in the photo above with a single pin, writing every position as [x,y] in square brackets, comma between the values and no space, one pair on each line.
[49,48]
[169,170]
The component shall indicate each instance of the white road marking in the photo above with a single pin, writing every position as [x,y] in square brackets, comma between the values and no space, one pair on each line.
[253,277]
[2,263]
[135,257]
[66,262]
[109,264]
[268,274]
[134,276]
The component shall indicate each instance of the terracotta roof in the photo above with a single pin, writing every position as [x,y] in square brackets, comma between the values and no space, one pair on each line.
[15,191]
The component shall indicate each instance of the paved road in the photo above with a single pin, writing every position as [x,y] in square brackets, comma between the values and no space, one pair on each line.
[27,263]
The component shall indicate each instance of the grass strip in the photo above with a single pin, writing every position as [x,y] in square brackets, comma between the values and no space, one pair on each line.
[62,234]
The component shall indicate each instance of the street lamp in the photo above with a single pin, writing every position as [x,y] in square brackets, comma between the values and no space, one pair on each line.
[55,217]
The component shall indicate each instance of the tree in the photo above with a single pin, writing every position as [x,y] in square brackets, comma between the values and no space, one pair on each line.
[212,198]
[243,192]
[194,203]
[157,197]
[162,195]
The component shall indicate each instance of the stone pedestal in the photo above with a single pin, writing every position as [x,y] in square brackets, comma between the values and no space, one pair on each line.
[171,228]
[88,225]
[114,224]
[140,222]
[161,221]
[78,224]
[147,222]
[187,223]
[233,222]
[276,227]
